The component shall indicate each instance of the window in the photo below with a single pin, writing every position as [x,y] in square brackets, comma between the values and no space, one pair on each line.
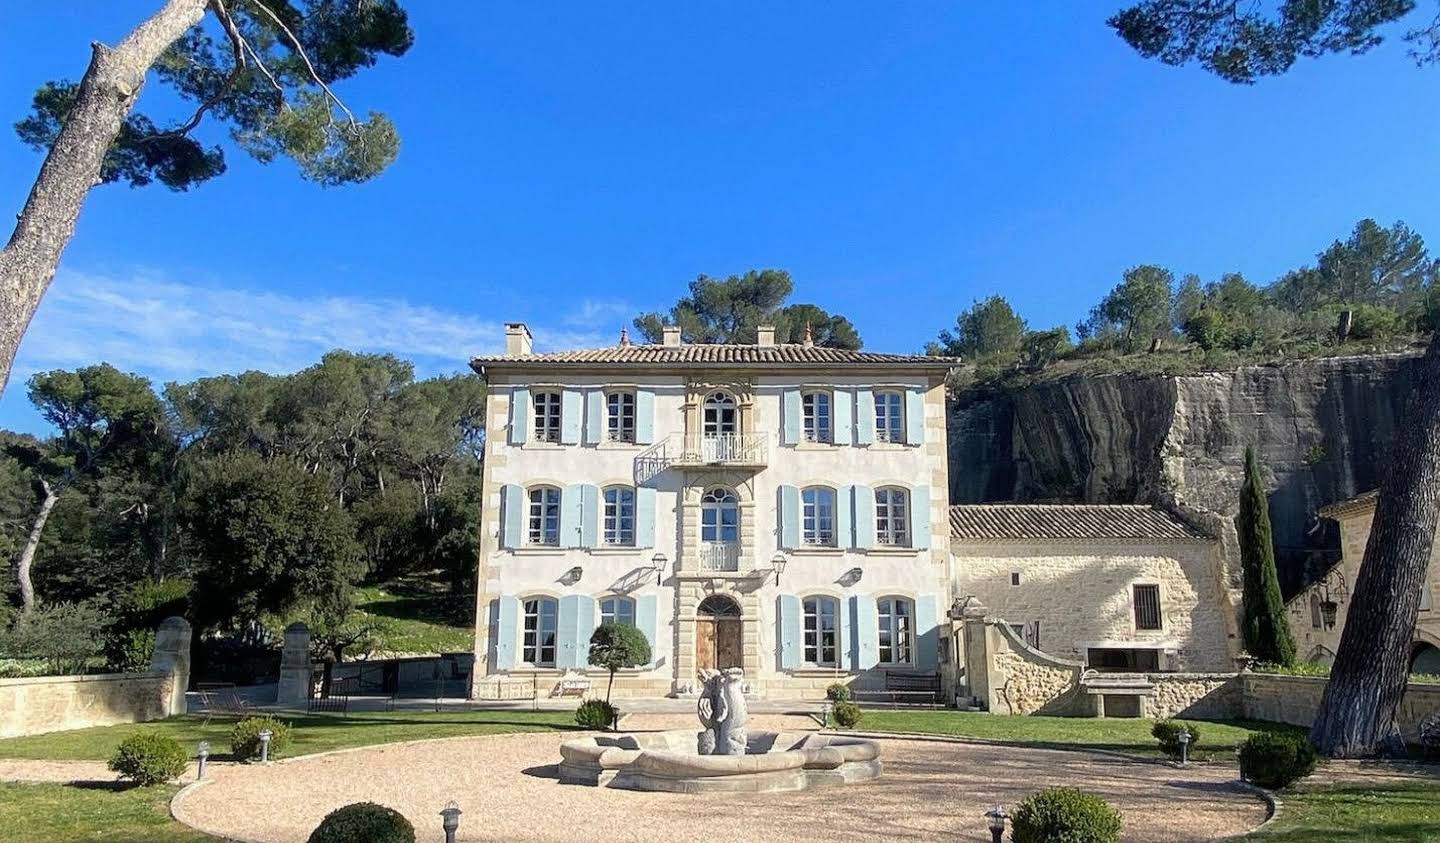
[822,632]
[818,503]
[892,517]
[1147,607]
[895,629]
[539,643]
[889,417]
[620,417]
[815,411]
[719,517]
[718,415]
[1014,577]
[617,610]
[1317,618]
[547,416]
[620,515]
[544,515]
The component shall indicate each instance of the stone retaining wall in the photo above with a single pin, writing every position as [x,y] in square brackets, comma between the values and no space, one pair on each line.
[33,705]
[1204,696]
[1296,699]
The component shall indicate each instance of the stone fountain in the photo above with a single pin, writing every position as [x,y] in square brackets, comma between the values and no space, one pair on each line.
[724,757]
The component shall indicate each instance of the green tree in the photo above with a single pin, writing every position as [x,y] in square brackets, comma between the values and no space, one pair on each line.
[263,67]
[616,646]
[729,310]
[268,537]
[1240,41]
[1042,348]
[1135,312]
[1387,267]
[1267,626]
[988,329]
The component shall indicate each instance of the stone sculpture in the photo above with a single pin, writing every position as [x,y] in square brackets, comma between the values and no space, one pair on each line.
[722,712]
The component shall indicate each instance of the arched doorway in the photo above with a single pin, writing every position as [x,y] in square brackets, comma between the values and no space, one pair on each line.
[1425,658]
[718,633]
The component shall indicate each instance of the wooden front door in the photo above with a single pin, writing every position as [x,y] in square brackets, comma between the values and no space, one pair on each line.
[718,643]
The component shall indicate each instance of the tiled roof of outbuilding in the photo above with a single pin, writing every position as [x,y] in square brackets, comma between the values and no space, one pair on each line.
[785,354]
[1358,503]
[983,522]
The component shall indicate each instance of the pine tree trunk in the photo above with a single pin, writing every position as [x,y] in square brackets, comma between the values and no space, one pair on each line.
[1357,714]
[107,93]
[32,542]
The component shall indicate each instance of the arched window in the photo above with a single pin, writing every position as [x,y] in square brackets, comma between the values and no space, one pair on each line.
[822,631]
[617,610]
[892,516]
[538,645]
[544,520]
[620,516]
[896,630]
[815,415]
[547,416]
[889,417]
[718,606]
[818,505]
[718,415]
[720,517]
[620,416]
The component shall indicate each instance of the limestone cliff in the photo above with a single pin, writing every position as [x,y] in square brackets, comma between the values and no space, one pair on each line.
[1321,428]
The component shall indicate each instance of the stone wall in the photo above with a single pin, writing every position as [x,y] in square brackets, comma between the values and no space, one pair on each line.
[1027,681]
[1204,696]
[1296,699]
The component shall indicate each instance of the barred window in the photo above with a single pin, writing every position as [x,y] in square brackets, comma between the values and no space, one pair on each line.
[1147,607]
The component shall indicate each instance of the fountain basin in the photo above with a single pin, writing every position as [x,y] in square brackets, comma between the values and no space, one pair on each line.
[670,761]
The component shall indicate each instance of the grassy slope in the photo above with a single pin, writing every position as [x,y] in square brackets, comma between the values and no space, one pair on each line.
[414,621]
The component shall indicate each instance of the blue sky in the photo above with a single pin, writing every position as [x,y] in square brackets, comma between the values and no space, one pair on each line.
[569,164]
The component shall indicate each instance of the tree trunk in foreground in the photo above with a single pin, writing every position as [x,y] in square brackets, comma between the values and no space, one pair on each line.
[107,93]
[1357,714]
[32,541]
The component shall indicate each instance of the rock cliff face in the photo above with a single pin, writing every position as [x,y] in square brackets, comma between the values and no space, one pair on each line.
[1320,427]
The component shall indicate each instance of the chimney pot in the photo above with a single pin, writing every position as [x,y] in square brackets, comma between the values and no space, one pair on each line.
[518,340]
[671,335]
[765,335]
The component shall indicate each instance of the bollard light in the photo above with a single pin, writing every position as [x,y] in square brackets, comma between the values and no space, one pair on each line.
[825,715]
[451,816]
[1184,740]
[202,753]
[265,736]
[995,819]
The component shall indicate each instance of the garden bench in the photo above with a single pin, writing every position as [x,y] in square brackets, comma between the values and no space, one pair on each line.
[568,687]
[904,689]
[222,700]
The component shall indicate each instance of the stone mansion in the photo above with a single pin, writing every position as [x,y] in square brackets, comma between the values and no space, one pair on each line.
[782,508]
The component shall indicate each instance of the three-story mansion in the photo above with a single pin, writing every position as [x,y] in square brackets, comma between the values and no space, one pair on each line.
[775,507]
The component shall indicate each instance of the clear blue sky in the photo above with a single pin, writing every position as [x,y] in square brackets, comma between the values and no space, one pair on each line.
[569,164]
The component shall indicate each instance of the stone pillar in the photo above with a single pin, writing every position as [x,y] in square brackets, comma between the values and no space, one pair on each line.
[979,655]
[172,656]
[295,669]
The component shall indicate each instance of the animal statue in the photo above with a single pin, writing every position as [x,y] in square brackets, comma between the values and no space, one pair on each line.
[711,710]
[732,736]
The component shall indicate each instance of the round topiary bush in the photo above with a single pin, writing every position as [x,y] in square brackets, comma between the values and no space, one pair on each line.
[363,821]
[838,692]
[1167,732]
[148,758]
[847,715]
[1273,760]
[1065,815]
[245,737]
[1430,736]
[596,714]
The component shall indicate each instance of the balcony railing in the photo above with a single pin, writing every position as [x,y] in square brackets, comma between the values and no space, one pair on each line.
[696,450]
[719,556]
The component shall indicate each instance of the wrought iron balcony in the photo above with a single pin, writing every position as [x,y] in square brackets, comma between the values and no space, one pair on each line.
[725,450]
[719,556]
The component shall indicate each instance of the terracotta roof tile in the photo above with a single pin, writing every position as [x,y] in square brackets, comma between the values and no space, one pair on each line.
[1066,521]
[715,354]
[1358,503]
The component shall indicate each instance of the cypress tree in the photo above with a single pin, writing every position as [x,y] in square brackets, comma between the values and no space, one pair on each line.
[1266,626]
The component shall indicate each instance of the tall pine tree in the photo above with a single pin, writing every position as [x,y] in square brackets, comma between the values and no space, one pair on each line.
[1266,628]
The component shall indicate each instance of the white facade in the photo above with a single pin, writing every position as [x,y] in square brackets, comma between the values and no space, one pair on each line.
[541,546]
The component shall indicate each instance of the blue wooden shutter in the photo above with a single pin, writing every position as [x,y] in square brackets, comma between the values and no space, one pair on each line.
[866,634]
[841,405]
[927,634]
[570,417]
[842,634]
[790,417]
[584,628]
[519,415]
[644,416]
[789,516]
[512,513]
[507,624]
[566,654]
[589,515]
[644,517]
[570,512]
[645,620]
[787,610]
[863,499]
[864,417]
[844,506]
[914,416]
[920,517]
[594,417]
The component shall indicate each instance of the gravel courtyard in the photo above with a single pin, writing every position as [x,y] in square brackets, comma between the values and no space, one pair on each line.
[506,785]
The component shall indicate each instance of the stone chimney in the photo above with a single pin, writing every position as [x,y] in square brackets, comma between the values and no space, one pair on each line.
[809,337]
[765,335]
[517,339]
[671,335]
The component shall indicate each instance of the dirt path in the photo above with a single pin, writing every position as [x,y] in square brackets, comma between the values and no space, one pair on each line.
[22,770]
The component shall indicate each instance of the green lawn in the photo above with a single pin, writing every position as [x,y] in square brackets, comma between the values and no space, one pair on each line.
[1403,812]
[1217,739]
[61,813]
[417,620]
